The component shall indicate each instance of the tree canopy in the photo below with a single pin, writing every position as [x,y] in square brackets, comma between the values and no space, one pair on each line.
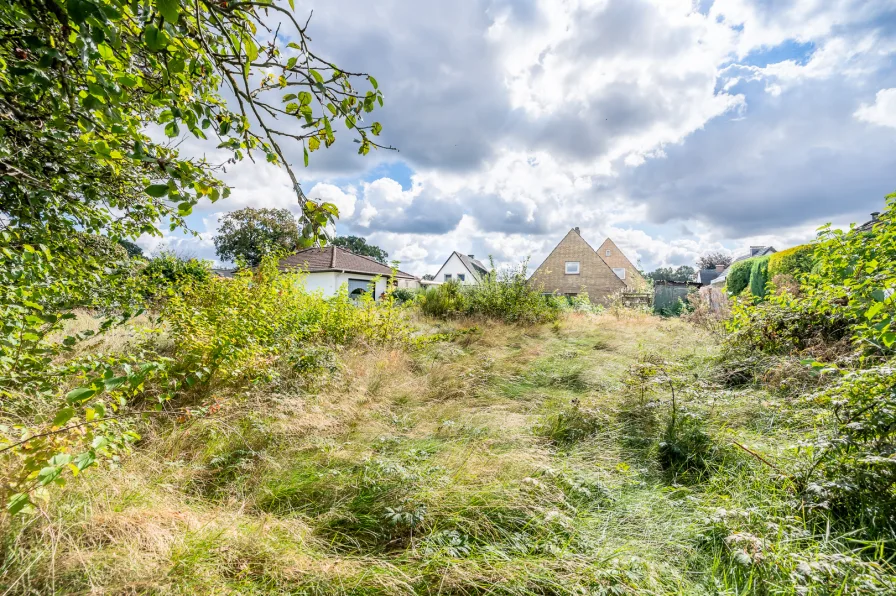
[359,246]
[713,259]
[249,234]
[82,81]
[682,273]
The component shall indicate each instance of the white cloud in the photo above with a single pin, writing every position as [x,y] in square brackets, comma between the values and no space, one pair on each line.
[672,130]
[882,112]
[328,193]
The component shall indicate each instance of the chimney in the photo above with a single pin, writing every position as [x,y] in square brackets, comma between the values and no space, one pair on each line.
[720,267]
[576,230]
[874,215]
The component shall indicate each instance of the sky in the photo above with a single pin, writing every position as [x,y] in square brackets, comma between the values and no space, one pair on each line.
[675,127]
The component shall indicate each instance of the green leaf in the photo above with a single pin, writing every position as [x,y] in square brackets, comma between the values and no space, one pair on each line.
[317,76]
[305,150]
[80,394]
[172,129]
[376,129]
[114,383]
[291,63]
[373,82]
[63,416]
[873,310]
[157,190]
[304,98]
[313,144]
[292,5]
[170,9]
[156,40]
[251,49]
[17,502]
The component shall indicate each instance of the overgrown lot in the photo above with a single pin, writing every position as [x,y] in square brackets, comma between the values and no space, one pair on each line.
[499,460]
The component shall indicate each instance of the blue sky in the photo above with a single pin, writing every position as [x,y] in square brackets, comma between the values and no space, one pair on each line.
[674,127]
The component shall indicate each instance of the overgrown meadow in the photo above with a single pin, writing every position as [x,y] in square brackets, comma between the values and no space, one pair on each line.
[246,437]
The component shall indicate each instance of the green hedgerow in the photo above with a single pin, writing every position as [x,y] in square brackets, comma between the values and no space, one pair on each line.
[739,276]
[793,261]
[759,276]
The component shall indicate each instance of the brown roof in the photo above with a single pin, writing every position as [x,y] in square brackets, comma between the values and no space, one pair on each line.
[335,258]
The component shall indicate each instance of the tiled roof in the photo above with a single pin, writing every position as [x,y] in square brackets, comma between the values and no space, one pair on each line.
[335,258]
[474,265]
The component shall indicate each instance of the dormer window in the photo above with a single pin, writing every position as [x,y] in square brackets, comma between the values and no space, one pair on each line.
[572,267]
[607,253]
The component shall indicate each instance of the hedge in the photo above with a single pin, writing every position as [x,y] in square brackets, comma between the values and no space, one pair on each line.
[793,261]
[759,276]
[739,276]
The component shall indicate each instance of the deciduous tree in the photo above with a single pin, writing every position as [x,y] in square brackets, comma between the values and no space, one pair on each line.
[249,234]
[359,246]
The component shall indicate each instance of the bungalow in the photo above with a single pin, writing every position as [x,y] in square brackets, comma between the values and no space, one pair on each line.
[329,268]
[465,269]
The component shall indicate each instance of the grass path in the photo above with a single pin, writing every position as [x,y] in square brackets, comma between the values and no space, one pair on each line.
[509,461]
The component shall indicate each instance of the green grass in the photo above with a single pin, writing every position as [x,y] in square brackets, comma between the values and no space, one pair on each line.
[513,461]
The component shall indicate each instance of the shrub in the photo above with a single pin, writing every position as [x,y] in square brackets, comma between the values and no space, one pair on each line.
[739,276]
[503,295]
[167,270]
[793,261]
[759,277]
[402,295]
[443,301]
[570,424]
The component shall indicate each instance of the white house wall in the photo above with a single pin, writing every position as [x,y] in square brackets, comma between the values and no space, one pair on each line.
[325,281]
[329,282]
[453,267]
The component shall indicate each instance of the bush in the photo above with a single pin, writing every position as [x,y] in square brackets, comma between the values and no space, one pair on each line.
[857,463]
[793,261]
[167,270]
[759,277]
[739,276]
[402,295]
[241,328]
[503,295]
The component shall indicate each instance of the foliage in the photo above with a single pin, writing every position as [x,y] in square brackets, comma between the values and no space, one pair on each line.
[254,328]
[759,277]
[855,274]
[570,424]
[503,295]
[858,461]
[167,270]
[359,246]
[682,273]
[246,235]
[402,295]
[739,276]
[132,249]
[794,261]
[712,260]
[784,324]
[82,81]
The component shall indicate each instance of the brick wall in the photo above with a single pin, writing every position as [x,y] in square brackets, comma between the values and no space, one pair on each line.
[595,276]
[617,259]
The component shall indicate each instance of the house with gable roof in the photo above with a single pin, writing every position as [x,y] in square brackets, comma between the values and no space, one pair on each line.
[465,269]
[574,267]
[621,266]
[329,268]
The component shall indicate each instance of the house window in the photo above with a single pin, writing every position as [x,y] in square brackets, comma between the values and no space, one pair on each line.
[608,252]
[356,287]
[572,267]
[620,272]
[461,276]
[447,277]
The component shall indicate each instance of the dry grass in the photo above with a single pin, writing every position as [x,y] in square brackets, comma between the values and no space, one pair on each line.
[403,473]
